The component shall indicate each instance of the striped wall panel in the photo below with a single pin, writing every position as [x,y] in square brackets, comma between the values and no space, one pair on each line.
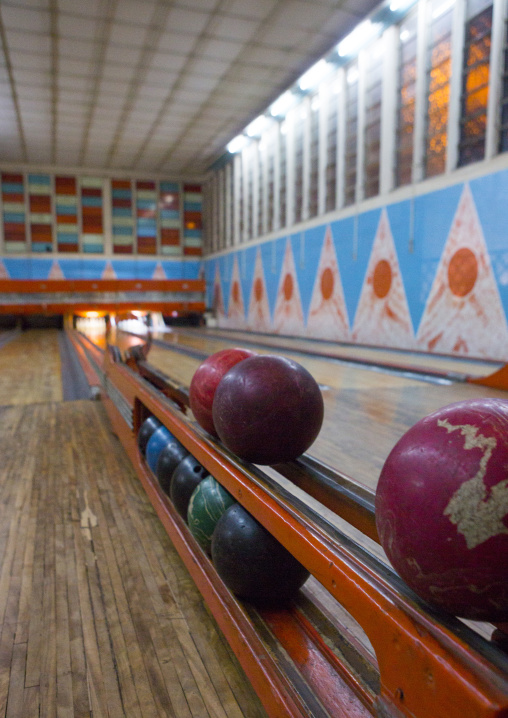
[66,214]
[92,229]
[170,219]
[14,212]
[192,219]
[146,217]
[122,219]
[41,214]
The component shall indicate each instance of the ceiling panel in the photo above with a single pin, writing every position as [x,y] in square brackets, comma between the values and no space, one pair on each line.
[154,85]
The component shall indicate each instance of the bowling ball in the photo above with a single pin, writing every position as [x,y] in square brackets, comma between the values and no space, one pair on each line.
[251,562]
[186,477]
[156,443]
[205,381]
[268,409]
[145,431]
[168,460]
[207,504]
[442,509]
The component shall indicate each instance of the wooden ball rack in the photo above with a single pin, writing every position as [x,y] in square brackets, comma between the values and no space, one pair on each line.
[304,659]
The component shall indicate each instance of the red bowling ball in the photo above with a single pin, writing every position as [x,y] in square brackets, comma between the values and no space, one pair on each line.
[442,509]
[268,409]
[205,381]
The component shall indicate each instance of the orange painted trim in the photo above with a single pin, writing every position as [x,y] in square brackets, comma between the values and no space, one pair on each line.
[29,286]
[412,647]
[48,308]
[497,380]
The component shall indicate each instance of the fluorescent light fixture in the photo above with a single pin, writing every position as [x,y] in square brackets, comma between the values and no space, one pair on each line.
[283,104]
[401,5]
[257,126]
[361,35]
[314,75]
[441,9]
[237,144]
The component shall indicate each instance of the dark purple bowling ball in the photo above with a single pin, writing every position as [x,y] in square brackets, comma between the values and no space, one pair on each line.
[169,458]
[145,431]
[268,409]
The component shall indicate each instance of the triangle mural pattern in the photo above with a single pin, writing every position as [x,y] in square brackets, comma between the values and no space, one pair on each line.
[463,313]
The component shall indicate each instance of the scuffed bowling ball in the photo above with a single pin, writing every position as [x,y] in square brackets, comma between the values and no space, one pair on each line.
[207,504]
[145,431]
[442,509]
[205,381]
[268,409]
[169,458]
[252,563]
[186,477]
[156,443]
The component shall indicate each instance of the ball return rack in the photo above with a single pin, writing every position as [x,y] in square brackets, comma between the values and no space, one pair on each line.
[304,660]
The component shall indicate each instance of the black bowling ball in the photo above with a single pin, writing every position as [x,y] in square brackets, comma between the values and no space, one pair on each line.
[169,459]
[146,430]
[186,477]
[252,563]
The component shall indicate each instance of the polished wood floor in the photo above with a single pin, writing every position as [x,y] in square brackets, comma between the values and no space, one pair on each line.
[98,615]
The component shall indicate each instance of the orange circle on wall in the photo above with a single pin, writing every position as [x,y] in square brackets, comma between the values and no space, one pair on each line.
[236,292]
[288,287]
[327,283]
[382,280]
[462,272]
[258,289]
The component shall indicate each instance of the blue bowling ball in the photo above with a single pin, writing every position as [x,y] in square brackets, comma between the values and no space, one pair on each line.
[156,443]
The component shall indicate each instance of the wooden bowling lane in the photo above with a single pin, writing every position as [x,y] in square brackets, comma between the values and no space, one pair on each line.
[98,614]
[30,368]
[366,412]
[353,352]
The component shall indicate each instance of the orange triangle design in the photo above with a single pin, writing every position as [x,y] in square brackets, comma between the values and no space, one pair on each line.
[109,272]
[464,314]
[328,317]
[4,274]
[158,272]
[55,272]
[236,309]
[288,314]
[382,317]
[259,309]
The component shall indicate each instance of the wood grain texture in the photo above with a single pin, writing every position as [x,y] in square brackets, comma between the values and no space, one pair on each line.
[99,615]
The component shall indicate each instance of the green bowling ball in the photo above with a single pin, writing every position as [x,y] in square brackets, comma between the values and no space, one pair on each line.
[207,504]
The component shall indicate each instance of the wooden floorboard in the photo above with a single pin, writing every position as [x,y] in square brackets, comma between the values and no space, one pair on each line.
[99,615]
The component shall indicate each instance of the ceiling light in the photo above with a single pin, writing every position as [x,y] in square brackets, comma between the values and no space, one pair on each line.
[360,36]
[441,9]
[314,76]
[283,104]
[257,126]
[237,144]
[401,5]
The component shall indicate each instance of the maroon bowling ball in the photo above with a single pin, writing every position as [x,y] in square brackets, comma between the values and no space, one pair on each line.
[268,409]
[205,381]
[442,509]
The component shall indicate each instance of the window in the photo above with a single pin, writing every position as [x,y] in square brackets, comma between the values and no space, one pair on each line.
[299,117]
[351,132]
[314,156]
[331,149]
[372,137]
[406,100]
[283,175]
[270,174]
[475,84]
[438,84]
